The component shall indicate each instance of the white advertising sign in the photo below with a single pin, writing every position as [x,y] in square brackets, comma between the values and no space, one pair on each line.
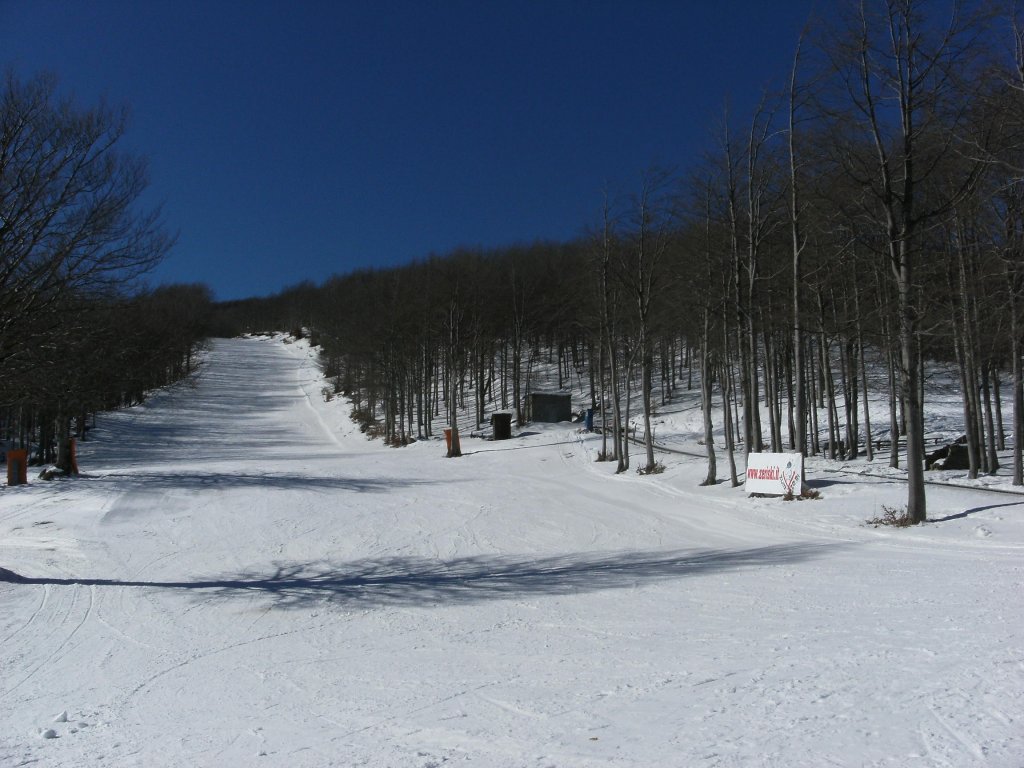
[775,473]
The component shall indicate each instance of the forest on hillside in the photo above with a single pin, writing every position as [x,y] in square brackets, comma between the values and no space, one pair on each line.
[870,210]
[867,214]
[78,333]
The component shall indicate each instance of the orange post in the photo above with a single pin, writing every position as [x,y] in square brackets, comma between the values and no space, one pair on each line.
[17,467]
[448,439]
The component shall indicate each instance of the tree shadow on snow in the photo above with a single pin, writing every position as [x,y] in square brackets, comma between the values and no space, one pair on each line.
[415,581]
[269,480]
[975,510]
[826,483]
[505,446]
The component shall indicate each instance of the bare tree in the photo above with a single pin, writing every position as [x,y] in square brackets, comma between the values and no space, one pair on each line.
[901,91]
[70,231]
[69,228]
[798,243]
[643,273]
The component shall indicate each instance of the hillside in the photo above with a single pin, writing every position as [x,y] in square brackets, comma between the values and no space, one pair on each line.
[242,578]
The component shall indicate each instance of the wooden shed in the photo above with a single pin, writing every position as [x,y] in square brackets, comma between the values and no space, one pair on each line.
[550,407]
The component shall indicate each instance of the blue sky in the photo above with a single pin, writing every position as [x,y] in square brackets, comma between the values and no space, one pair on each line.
[295,140]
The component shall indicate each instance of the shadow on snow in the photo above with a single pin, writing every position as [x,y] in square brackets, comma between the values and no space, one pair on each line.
[973,511]
[415,581]
[268,480]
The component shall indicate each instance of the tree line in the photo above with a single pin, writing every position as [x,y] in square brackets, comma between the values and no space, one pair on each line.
[866,217]
[77,333]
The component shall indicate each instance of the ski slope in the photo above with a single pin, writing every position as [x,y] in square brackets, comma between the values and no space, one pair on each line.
[242,579]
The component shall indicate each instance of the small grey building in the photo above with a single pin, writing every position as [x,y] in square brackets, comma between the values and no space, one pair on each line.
[550,407]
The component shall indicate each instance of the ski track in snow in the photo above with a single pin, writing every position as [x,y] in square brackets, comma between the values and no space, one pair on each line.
[241,578]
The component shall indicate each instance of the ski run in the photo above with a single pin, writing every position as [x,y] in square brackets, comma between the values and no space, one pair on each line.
[241,578]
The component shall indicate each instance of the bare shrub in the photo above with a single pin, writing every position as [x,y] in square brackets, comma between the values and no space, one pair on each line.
[805,493]
[368,425]
[896,517]
[657,469]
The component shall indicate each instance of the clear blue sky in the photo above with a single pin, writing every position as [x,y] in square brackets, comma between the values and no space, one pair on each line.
[296,140]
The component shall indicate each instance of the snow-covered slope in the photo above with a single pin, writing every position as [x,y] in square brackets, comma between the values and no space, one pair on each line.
[242,579]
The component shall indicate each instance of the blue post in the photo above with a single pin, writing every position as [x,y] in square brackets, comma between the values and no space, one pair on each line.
[590,420]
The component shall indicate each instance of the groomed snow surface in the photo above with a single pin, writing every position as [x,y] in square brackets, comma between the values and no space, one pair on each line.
[242,579]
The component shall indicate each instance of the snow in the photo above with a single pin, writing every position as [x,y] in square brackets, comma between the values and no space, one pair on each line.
[241,578]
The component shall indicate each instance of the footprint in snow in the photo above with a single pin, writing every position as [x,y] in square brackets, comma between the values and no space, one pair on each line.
[982,532]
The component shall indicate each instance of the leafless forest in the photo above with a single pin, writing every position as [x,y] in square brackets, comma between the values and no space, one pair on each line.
[869,213]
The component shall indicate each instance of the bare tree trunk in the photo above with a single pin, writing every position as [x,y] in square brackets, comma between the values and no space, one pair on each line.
[868,437]
[911,378]
[858,324]
[728,395]
[813,397]
[964,345]
[454,318]
[604,400]
[789,377]
[617,438]
[1018,407]
[991,459]
[894,420]
[739,296]
[771,393]
[828,382]
[846,377]
[831,411]
[65,450]
[646,370]
[624,457]
[998,398]
[1016,373]
[970,419]
[706,404]
[797,243]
